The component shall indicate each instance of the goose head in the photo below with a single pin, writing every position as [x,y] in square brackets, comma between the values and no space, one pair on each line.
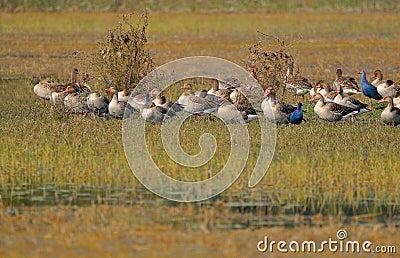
[269,91]
[111,90]
[187,86]
[339,73]
[317,97]
[387,99]
[70,89]
[160,100]
[377,74]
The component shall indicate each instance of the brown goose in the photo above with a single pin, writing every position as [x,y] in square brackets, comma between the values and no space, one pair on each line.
[74,102]
[171,107]
[348,83]
[275,111]
[45,88]
[297,85]
[391,114]
[326,91]
[122,95]
[386,88]
[330,111]
[154,114]
[97,103]
[195,104]
[117,108]
[346,100]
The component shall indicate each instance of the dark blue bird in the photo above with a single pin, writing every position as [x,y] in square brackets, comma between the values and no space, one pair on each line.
[296,117]
[368,89]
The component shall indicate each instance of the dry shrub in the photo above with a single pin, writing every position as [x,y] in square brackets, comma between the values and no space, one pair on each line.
[123,55]
[269,60]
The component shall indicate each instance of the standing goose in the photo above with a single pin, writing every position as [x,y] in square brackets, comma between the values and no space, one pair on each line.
[330,111]
[348,83]
[275,111]
[391,114]
[368,89]
[296,117]
[297,86]
[138,100]
[346,100]
[75,102]
[97,103]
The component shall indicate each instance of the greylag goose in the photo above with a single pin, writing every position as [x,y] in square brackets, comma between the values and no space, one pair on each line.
[117,108]
[330,111]
[297,86]
[346,100]
[391,114]
[275,111]
[386,88]
[153,113]
[138,100]
[97,103]
[74,102]
[195,104]
[171,107]
[348,83]
[325,90]
[45,88]
[229,113]
[189,87]
[122,95]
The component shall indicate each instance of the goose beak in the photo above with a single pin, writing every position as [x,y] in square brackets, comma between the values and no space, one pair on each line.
[107,89]
[266,93]
[359,72]
[65,91]
[184,86]
[381,100]
[312,99]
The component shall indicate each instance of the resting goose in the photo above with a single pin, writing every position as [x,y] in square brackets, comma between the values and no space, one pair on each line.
[330,111]
[368,89]
[171,107]
[189,87]
[229,113]
[122,95]
[326,90]
[117,108]
[45,88]
[386,88]
[195,104]
[391,114]
[297,86]
[153,113]
[275,111]
[348,83]
[138,100]
[74,102]
[97,103]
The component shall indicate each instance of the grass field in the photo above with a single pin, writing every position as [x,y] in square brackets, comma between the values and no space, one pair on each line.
[64,181]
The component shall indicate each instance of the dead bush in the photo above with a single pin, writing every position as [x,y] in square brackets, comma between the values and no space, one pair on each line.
[123,55]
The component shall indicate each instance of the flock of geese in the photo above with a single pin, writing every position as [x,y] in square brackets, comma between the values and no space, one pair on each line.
[225,98]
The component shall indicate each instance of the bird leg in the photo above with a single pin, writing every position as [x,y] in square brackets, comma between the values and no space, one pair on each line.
[370,103]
